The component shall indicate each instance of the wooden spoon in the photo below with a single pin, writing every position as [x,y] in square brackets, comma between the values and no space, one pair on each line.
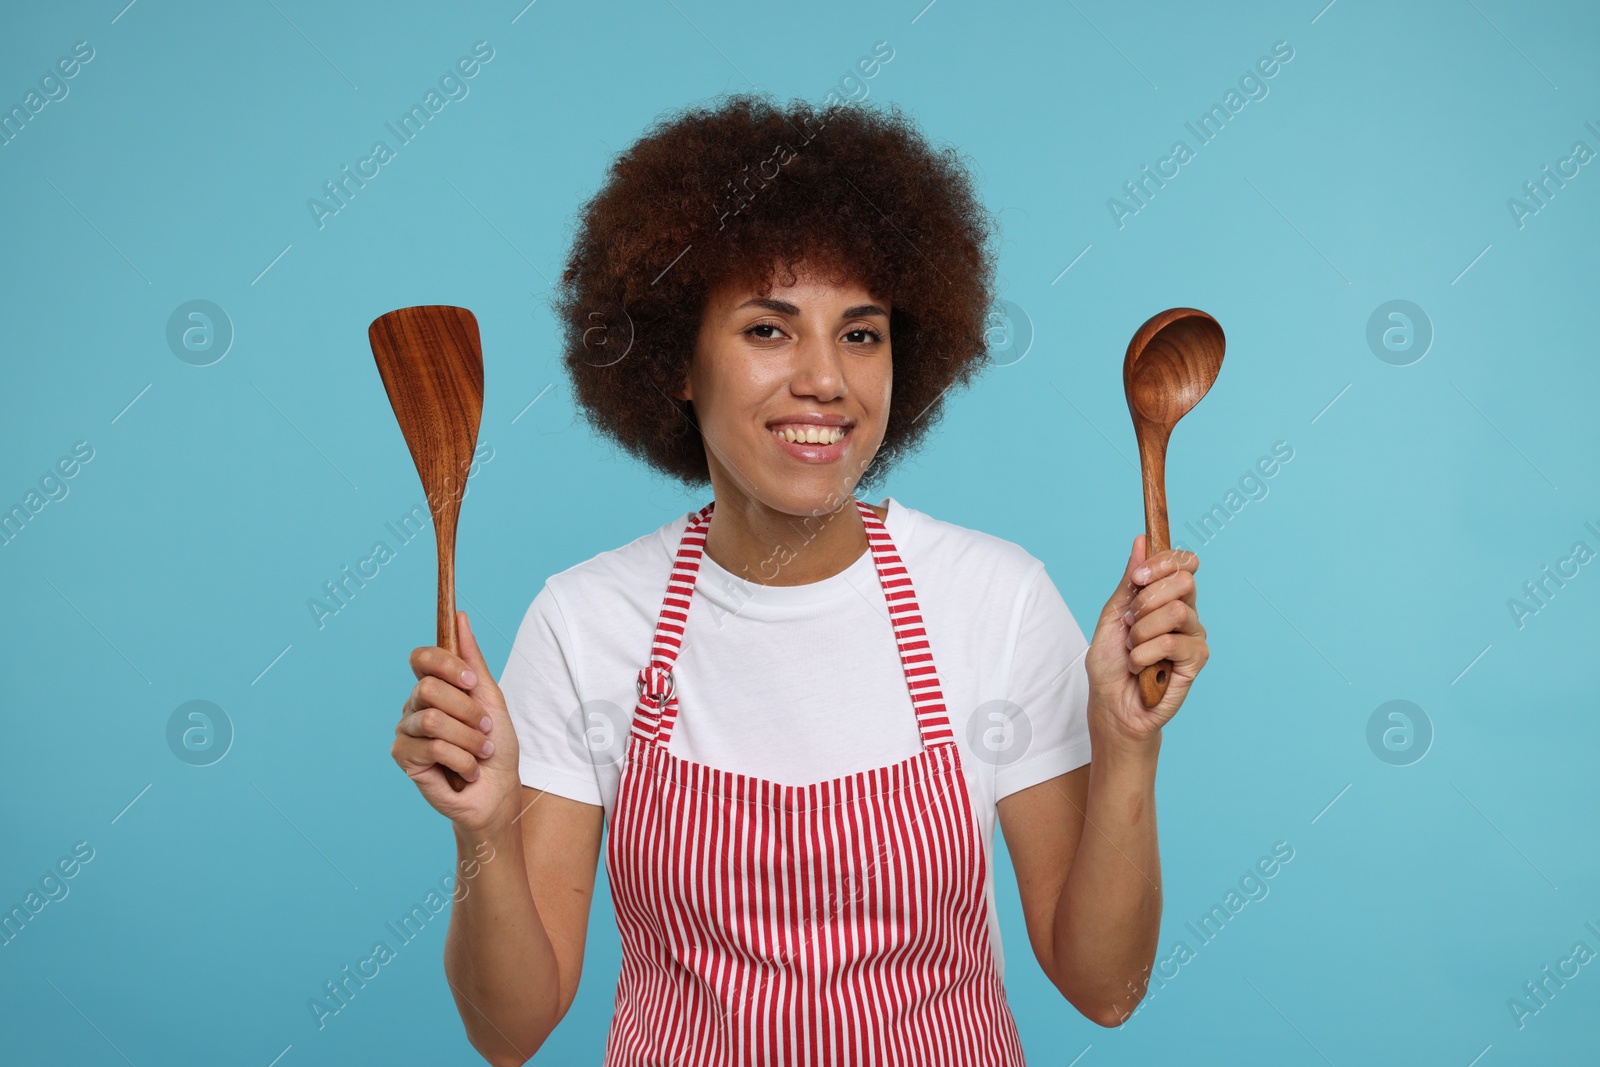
[432,369]
[1171,363]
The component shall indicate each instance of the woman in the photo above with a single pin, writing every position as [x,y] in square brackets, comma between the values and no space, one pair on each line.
[796,716]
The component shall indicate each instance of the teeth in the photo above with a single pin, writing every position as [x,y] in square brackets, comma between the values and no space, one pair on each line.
[810,435]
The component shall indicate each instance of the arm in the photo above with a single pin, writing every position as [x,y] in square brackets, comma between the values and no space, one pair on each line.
[514,950]
[525,859]
[1084,844]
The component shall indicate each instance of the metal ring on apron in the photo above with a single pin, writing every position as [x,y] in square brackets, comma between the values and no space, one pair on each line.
[658,699]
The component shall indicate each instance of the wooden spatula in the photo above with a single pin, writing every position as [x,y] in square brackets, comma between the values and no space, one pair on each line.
[432,368]
[1171,363]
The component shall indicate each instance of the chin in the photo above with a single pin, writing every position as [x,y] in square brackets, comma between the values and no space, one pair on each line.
[818,494]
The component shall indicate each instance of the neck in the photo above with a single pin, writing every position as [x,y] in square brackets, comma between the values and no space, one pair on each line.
[770,547]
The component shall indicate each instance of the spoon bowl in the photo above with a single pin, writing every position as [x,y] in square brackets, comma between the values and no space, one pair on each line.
[1172,362]
[1169,373]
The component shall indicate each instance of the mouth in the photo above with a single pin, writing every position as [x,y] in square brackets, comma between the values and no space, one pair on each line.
[811,442]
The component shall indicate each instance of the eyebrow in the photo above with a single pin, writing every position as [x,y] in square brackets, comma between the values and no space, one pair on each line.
[783,307]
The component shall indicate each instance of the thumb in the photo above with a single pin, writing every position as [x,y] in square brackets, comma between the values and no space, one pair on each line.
[1127,589]
[1137,555]
[470,650]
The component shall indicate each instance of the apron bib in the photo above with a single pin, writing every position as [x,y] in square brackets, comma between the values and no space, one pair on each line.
[842,922]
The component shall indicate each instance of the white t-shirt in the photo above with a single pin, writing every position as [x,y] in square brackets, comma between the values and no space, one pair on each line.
[803,683]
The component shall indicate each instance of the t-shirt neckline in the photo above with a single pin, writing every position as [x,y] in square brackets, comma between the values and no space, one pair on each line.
[732,592]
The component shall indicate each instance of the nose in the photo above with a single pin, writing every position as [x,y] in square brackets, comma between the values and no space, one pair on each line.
[818,369]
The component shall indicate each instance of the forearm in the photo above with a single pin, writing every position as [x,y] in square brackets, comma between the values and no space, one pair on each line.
[498,958]
[1108,917]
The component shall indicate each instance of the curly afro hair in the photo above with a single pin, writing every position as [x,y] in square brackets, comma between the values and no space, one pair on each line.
[728,193]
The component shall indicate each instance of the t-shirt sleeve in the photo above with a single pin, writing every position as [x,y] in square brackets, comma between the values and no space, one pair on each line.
[542,696]
[1050,683]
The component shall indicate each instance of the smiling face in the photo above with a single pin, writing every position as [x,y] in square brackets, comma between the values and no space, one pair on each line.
[791,390]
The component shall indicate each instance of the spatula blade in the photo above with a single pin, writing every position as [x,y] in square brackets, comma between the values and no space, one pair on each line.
[431,363]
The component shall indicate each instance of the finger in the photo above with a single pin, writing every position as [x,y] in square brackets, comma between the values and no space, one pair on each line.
[1123,597]
[1179,586]
[440,663]
[431,692]
[1174,617]
[431,722]
[429,779]
[1179,648]
[1168,561]
[470,650]
[416,754]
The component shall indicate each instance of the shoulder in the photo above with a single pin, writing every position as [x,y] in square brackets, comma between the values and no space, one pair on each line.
[624,568]
[595,615]
[969,580]
[979,558]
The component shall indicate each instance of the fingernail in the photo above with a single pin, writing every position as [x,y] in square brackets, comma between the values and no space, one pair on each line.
[1130,640]
[1127,616]
[1142,574]
[469,679]
[488,747]
[486,724]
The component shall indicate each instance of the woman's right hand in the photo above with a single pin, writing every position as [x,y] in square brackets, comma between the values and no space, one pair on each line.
[442,724]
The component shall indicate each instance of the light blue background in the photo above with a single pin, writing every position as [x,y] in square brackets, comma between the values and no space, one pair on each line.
[1379,567]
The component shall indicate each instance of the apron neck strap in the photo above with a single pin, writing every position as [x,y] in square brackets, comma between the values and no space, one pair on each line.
[656,711]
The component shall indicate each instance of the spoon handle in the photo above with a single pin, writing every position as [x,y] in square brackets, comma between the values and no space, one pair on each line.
[1153,463]
[444,528]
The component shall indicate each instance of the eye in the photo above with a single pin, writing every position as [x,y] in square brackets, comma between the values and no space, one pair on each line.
[874,334]
[763,326]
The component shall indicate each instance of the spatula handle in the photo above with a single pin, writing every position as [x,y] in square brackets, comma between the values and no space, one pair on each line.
[444,527]
[1153,462]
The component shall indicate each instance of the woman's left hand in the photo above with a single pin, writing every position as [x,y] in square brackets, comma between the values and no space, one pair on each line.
[1151,617]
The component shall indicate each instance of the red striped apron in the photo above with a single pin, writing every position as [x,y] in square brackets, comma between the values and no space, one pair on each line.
[843,922]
